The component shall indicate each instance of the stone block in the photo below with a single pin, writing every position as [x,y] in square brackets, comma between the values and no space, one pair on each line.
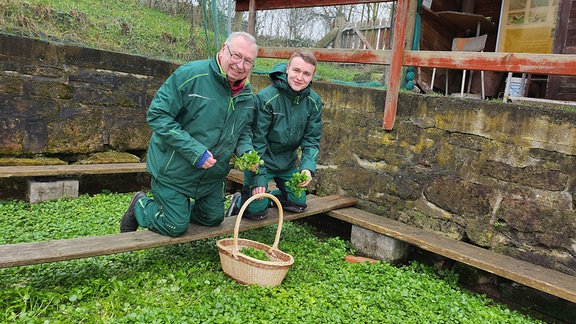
[47,190]
[378,246]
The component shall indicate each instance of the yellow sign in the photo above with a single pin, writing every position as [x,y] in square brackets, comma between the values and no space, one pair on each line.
[527,26]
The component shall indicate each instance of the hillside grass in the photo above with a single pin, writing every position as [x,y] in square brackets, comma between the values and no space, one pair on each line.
[120,26]
[126,27]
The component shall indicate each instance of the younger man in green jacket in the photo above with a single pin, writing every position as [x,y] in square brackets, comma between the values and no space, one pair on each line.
[288,119]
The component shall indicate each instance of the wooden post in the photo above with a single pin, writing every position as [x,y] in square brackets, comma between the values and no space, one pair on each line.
[252,18]
[340,23]
[396,64]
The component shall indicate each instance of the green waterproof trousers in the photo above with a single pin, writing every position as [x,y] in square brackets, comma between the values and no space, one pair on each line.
[284,191]
[170,212]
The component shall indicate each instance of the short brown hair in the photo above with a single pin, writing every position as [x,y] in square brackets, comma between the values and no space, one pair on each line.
[308,57]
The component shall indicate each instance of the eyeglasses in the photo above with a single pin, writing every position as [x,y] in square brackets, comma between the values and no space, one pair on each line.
[237,59]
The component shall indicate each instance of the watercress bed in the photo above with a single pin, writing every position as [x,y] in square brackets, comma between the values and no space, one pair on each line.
[184,283]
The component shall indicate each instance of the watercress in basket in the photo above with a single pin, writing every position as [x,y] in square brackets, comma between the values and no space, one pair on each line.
[254,253]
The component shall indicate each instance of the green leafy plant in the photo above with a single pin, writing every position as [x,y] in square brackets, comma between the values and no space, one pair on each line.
[147,286]
[294,183]
[247,161]
[254,253]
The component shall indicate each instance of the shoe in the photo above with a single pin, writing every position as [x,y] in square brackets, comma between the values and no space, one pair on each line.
[233,209]
[256,216]
[129,222]
[293,207]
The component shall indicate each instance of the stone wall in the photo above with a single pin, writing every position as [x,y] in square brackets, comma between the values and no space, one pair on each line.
[67,100]
[497,175]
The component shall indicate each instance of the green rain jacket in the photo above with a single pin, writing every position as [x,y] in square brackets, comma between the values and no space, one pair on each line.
[194,111]
[285,121]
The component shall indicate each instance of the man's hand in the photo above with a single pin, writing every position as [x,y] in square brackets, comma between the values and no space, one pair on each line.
[307,182]
[254,167]
[210,161]
[258,190]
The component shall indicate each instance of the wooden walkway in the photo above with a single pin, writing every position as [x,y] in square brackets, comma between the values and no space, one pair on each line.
[547,280]
[60,250]
[70,169]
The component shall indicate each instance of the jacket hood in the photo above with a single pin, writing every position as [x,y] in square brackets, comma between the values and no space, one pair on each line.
[279,79]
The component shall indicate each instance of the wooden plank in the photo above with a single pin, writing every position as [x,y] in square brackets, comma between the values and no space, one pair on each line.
[395,77]
[362,38]
[72,169]
[59,250]
[243,5]
[556,64]
[236,176]
[532,275]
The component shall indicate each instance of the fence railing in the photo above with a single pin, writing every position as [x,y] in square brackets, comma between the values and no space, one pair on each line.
[398,57]
[373,36]
[552,64]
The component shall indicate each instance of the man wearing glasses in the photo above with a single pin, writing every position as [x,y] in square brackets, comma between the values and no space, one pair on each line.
[199,117]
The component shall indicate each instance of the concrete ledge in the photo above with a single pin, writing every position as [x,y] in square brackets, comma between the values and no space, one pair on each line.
[48,190]
[378,246]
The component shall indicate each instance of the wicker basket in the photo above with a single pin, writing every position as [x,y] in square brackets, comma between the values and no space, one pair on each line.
[248,270]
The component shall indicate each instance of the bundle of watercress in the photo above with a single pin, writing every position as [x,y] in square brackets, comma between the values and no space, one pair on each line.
[254,253]
[294,182]
[247,160]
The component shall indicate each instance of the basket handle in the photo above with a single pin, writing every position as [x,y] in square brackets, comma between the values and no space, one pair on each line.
[243,208]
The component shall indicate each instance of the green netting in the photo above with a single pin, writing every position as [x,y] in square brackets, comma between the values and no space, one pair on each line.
[215,21]
[415,46]
[371,84]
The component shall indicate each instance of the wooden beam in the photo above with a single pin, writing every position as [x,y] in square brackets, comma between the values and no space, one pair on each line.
[328,38]
[331,55]
[252,17]
[555,64]
[70,169]
[560,64]
[243,5]
[362,38]
[20,254]
[547,280]
[396,64]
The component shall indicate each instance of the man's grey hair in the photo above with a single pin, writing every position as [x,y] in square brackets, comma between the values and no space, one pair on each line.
[246,36]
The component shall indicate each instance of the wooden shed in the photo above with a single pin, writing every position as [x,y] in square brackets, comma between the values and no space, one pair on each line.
[515,26]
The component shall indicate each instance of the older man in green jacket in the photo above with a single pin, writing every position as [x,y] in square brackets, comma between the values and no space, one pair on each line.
[199,117]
